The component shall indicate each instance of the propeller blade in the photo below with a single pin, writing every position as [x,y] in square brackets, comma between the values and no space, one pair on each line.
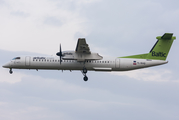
[60,49]
[60,54]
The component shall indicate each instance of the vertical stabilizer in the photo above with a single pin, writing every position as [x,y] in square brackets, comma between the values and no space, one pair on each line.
[160,50]
[162,47]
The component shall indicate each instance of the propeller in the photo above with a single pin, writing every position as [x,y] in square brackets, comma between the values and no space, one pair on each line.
[60,54]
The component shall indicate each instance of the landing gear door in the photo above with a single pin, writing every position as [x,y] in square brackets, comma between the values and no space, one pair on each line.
[117,63]
[27,61]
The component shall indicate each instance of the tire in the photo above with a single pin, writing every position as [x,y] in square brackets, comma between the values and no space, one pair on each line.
[10,71]
[85,78]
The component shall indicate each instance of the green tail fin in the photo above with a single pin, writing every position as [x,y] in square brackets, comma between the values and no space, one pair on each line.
[160,50]
[162,47]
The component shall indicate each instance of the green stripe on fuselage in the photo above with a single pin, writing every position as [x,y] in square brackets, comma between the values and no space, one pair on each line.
[141,56]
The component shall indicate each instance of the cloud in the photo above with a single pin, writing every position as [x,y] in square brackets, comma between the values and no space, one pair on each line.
[11,111]
[41,97]
[161,75]
[36,97]
[19,13]
[133,25]
[1,2]
[10,78]
[46,25]
[52,21]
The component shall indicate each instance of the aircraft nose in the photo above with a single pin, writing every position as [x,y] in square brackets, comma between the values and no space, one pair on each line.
[7,65]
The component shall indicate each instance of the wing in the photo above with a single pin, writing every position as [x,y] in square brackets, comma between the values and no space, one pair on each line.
[82,46]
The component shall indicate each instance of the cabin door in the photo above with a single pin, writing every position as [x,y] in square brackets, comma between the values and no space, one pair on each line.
[117,63]
[27,61]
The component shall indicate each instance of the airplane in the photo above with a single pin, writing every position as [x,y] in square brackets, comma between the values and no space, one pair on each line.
[84,60]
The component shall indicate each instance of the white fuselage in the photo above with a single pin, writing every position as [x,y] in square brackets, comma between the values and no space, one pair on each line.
[53,63]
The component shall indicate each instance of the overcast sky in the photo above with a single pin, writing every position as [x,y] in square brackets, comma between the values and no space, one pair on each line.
[112,28]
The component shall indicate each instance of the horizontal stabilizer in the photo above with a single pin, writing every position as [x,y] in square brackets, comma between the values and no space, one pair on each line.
[167,36]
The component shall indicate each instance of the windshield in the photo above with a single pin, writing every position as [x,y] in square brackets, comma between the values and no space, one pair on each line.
[16,58]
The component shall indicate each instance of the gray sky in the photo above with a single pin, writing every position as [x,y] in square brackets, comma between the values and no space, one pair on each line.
[111,28]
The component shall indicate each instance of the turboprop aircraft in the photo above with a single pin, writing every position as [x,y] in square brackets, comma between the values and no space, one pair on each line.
[84,60]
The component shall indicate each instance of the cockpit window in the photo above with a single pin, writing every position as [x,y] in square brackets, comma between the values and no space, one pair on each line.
[16,58]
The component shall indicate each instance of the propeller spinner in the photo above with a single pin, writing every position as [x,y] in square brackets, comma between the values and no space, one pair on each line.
[60,54]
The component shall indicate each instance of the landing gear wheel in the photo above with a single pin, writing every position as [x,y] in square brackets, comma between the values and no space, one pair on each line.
[85,78]
[10,71]
[84,71]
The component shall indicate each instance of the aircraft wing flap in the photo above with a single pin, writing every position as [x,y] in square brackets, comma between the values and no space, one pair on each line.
[82,46]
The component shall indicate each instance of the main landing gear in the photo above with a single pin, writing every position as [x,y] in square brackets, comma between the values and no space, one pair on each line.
[84,71]
[10,71]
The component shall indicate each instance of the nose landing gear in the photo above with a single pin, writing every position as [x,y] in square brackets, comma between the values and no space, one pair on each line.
[10,71]
[84,71]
